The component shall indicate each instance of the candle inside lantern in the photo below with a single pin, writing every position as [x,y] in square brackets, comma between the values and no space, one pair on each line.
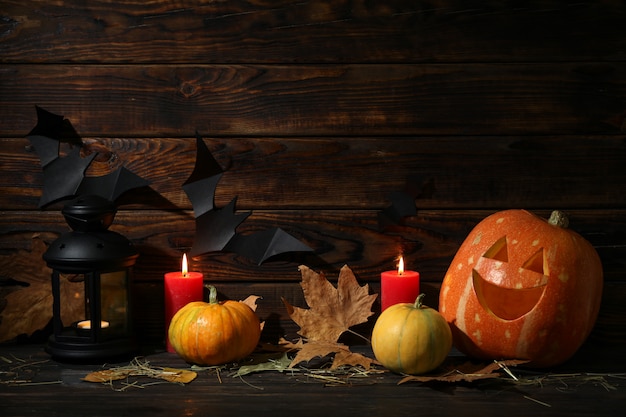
[399,286]
[86,324]
[181,288]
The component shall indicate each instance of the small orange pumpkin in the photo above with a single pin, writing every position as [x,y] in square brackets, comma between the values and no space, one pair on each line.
[521,287]
[411,338]
[214,333]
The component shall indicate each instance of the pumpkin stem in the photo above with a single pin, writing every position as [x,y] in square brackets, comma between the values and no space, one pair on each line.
[418,301]
[559,218]
[359,335]
[212,294]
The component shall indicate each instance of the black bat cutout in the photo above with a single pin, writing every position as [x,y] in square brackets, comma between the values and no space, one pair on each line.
[216,228]
[47,149]
[265,244]
[64,177]
[113,184]
[402,205]
[403,202]
[55,126]
[201,184]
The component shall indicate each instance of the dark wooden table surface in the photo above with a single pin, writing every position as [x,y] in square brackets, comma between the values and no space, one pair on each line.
[31,384]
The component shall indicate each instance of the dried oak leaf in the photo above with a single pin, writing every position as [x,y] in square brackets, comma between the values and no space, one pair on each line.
[332,310]
[467,372]
[29,308]
[181,376]
[106,375]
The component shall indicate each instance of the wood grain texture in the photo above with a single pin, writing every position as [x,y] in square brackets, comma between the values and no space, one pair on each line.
[309,100]
[318,111]
[321,173]
[428,241]
[578,388]
[329,31]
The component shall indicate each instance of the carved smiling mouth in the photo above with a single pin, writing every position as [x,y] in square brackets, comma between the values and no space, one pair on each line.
[506,303]
[507,291]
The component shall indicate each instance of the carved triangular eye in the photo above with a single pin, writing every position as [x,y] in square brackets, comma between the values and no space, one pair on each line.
[498,251]
[535,263]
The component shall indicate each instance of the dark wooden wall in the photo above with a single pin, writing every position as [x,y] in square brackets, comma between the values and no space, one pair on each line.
[319,110]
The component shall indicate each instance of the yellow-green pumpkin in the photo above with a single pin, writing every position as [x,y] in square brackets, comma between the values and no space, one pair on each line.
[214,333]
[411,338]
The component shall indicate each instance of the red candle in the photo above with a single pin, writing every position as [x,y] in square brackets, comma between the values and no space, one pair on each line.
[399,286]
[181,288]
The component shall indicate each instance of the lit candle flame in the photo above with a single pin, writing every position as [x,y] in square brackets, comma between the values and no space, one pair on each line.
[185,268]
[401,266]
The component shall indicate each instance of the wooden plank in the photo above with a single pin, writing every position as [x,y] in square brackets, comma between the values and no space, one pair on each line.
[575,389]
[565,172]
[315,32]
[428,241]
[310,100]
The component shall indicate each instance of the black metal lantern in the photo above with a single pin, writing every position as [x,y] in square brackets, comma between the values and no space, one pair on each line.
[102,260]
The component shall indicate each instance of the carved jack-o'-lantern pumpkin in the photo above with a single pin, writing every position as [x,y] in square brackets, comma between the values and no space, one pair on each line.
[522,287]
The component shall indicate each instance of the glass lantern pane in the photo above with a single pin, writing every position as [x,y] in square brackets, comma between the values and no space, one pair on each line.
[114,302]
[74,306]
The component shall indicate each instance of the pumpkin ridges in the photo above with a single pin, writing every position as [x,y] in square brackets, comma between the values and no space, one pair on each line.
[214,333]
[212,323]
[229,316]
[400,363]
[250,332]
[188,320]
[574,272]
[435,333]
[411,339]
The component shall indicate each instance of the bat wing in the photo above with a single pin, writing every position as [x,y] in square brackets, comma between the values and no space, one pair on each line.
[113,185]
[402,205]
[62,177]
[201,184]
[55,126]
[215,228]
[47,149]
[262,245]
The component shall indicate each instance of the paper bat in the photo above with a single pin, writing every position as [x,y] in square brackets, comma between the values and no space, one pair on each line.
[55,127]
[402,205]
[64,177]
[403,202]
[216,227]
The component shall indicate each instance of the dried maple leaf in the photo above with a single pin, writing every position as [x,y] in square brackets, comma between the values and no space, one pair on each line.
[332,310]
[347,357]
[250,301]
[314,349]
[30,308]
[467,372]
